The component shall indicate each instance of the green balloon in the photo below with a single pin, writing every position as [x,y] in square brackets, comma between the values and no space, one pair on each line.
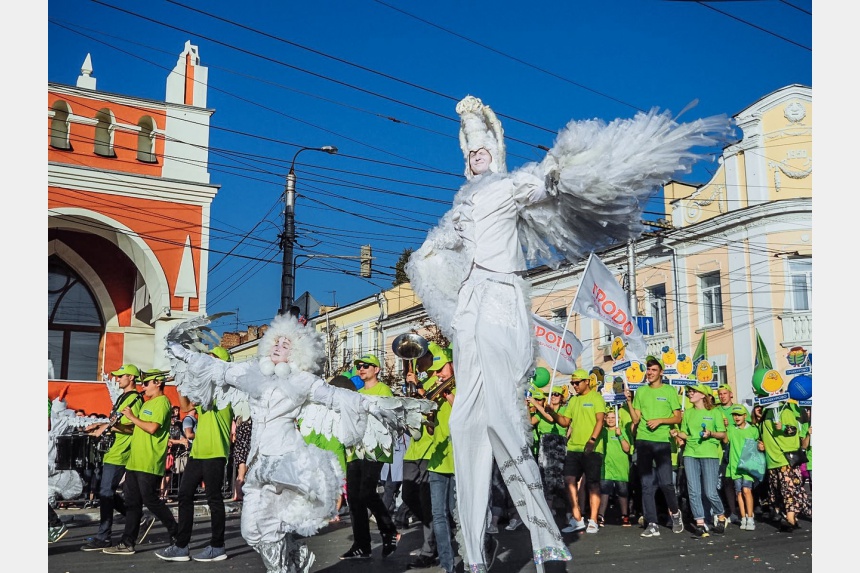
[541,377]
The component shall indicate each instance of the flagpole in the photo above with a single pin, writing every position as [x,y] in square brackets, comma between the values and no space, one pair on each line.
[567,321]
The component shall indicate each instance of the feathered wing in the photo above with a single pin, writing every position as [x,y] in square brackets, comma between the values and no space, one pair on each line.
[364,422]
[113,388]
[195,334]
[436,271]
[602,175]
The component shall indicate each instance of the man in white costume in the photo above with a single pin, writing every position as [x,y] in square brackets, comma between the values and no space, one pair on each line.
[493,345]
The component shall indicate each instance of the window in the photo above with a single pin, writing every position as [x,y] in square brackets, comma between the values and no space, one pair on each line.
[559,316]
[800,277]
[75,324]
[104,133]
[146,140]
[657,308]
[721,375]
[60,126]
[712,299]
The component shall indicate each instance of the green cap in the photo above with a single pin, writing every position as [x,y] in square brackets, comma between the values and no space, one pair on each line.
[154,374]
[127,369]
[580,374]
[652,357]
[739,409]
[440,357]
[725,387]
[537,394]
[703,388]
[368,359]
[221,352]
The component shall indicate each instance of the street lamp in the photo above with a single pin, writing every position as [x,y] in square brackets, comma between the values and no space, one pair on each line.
[288,271]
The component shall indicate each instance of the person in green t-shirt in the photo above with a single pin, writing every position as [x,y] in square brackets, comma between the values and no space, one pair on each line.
[146,465]
[725,398]
[655,410]
[583,415]
[615,474]
[362,478]
[739,432]
[703,429]
[114,460]
[552,444]
[206,463]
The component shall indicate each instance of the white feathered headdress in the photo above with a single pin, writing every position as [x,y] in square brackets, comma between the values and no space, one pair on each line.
[479,127]
[307,351]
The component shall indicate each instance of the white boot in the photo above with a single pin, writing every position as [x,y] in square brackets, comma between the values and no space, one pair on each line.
[744,523]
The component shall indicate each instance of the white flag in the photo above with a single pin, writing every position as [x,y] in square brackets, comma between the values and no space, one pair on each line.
[559,352]
[602,298]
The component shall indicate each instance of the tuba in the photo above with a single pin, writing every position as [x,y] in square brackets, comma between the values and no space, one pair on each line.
[410,347]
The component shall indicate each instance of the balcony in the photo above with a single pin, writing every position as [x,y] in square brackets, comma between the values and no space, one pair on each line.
[796,328]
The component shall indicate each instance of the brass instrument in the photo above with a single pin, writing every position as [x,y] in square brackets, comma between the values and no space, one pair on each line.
[437,393]
[410,346]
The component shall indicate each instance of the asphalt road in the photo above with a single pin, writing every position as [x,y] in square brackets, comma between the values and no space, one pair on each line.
[615,548]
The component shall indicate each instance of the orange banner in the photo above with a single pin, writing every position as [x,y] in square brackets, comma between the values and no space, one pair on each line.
[93,397]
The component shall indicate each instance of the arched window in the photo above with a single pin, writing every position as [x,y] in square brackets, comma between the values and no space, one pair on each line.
[104,133]
[75,325]
[60,125]
[146,140]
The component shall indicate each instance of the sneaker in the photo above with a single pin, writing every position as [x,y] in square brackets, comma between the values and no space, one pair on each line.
[356,553]
[651,531]
[173,553]
[641,521]
[211,554]
[119,549]
[601,522]
[721,525]
[701,531]
[743,525]
[592,527]
[57,533]
[146,523]
[574,526]
[492,529]
[625,521]
[750,524]
[514,524]
[389,544]
[677,522]
[96,544]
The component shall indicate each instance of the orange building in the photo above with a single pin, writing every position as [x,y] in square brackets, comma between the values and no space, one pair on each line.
[129,201]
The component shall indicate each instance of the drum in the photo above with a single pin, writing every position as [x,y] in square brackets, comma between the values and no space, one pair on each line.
[74,452]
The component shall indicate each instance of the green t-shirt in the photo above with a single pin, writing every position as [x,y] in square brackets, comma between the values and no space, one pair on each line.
[654,403]
[119,451]
[616,462]
[212,436]
[694,422]
[379,389]
[331,444]
[583,411]
[804,431]
[776,442]
[149,451]
[737,438]
[420,449]
[442,452]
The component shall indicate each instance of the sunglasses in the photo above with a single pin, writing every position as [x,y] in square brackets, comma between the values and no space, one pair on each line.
[557,394]
[362,365]
[146,383]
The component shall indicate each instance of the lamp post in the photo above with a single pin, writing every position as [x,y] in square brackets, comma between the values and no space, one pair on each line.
[288,271]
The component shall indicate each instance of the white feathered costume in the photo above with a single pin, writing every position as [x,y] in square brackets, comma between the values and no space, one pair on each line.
[66,483]
[589,192]
[291,487]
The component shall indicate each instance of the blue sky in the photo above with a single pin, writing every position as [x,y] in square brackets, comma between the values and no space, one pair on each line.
[380,79]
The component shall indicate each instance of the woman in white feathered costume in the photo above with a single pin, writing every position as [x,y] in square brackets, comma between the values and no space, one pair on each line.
[589,192]
[291,487]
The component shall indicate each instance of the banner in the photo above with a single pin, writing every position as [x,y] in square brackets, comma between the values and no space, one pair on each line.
[553,348]
[602,298]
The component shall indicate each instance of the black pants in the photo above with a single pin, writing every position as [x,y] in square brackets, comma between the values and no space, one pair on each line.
[141,489]
[362,476]
[211,473]
[53,519]
[655,458]
[416,496]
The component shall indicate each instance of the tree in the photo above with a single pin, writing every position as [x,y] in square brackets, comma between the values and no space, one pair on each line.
[400,268]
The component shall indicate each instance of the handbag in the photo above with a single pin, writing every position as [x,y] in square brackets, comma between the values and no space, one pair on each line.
[796,458]
[179,462]
[752,461]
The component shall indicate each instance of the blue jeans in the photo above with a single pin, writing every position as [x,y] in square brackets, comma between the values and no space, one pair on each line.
[443,498]
[703,478]
[109,500]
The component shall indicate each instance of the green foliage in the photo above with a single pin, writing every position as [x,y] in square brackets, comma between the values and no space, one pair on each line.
[400,268]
